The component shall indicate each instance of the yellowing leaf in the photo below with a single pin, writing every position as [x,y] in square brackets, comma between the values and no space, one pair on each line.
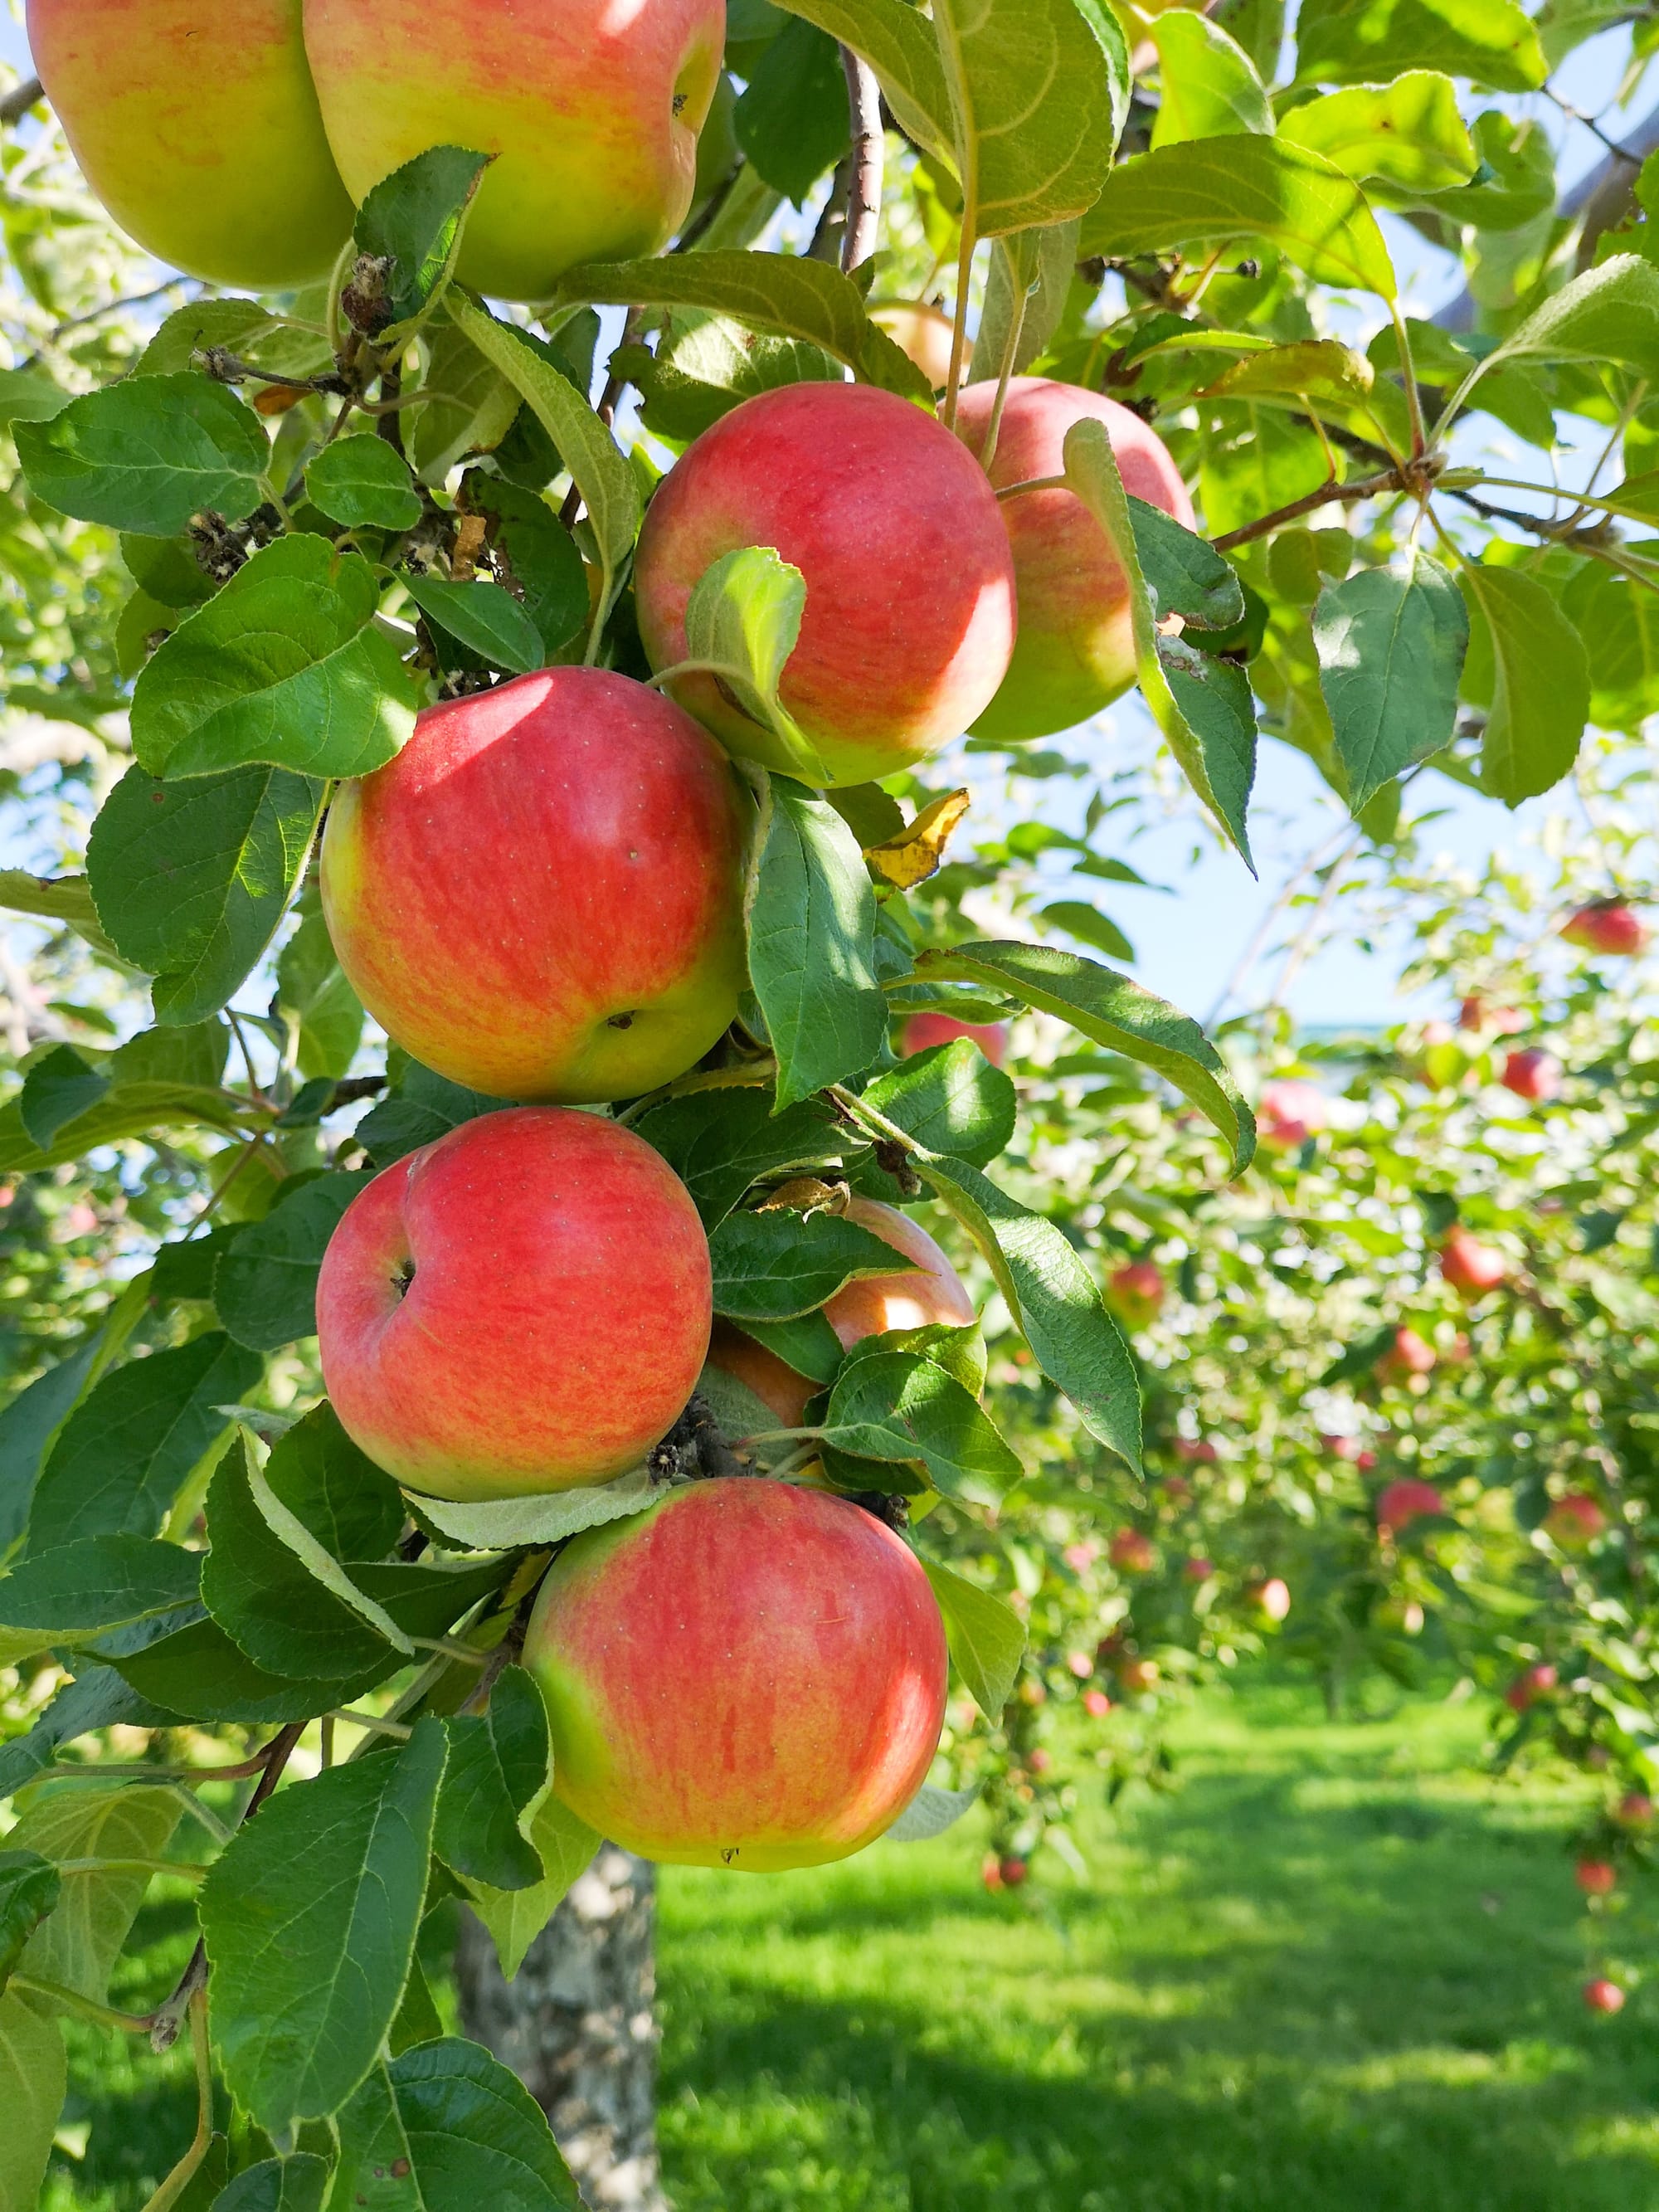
[918,852]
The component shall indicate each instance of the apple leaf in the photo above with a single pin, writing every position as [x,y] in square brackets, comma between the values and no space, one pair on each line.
[792,120]
[286,665]
[96,1699]
[33,2080]
[540,557]
[812,916]
[309,1917]
[1358,41]
[461,2130]
[66,899]
[147,454]
[899,44]
[349,1504]
[364,482]
[30,1887]
[265,1286]
[499,1762]
[543,1517]
[1609,313]
[1408,133]
[515,1917]
[706,365]
[987,1639]
[78,1946]
[472,407]
[413,219]
[1210,87]
[720,1142]
[57,1089]
[930,1813]
[1183,572]
[950,1099]
[773,1266]
[82,1589]
[901,1406]
[481,617]
[1391,643]
[298,2183]
[742,623]
[1090,926]
[191,879]
[1031,275]
[312,992]
[1541,694]
[422,1108]
[31,1424]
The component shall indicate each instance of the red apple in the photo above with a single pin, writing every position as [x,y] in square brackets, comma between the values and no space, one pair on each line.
[1133,1553]
[1471,1267]
[523,1306]
[746,1674]
[1575,1520]
[1136,1293]
[1530,1686]
[922,1031]
[1596,1877]
[1013,1872]
[1040,1762]
[591,109]
[1603,1995]
[1606,926]
[1478,1014]
[1406,1356]
[1634,1808]
[1198,1570]
[1347,1448]
[542,896]
[1096,1703]
[1075,652]
[1272,1599]
[1398,1504]
[1198,1452]
[1532,1074]
[909,619]
[1289,1112]
[925,333]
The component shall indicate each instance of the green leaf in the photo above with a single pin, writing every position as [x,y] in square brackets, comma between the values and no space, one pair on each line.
[773,1266]
[498,1763]
[1514,186]
[471,408]
[1611,312]
[147,454]
[191,879]
[950,1099]
[335,1489]
[1039,91]
[96,1699]
[706,365]
[312,992]
[78,1591]
[483,617]
[31,1422]
[1114,1013]
[1053,1297]
[1090,926]
[236,325]
[1391,643]
[422,1108]
[310,1917]
[792,118]
[930,1814]
[1357,41]
[28,396]
[1309,368]
[77,1948]
[459,2132]
[515,1917]
[58,1089]
[295,2183]
[364,482]
[265,1286]
[899,44]
[131,1444]
[413,219]
[720,1142]
[55,898]
[812,916]
[806,1342]
[1183,572]
[1210,87]
[508,1523]
[1408,133]
[285,665]
[29,1888]
[742,623]
[33,2079]
[786,293]
[608,488]
[538,555]
[896,1406]
[1202,705]
[1212,192]
[987,1640]
[1037,268]
[1541,684]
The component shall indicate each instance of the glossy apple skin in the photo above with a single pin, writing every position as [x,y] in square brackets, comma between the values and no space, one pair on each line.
[196,123]
[1612,927]
[591,107]
[923,1031]
[556,1321]
[924,333]
[1075,653]
[909,620]
[747,1674]
[872,1306]
[542,896]
[1471,1267]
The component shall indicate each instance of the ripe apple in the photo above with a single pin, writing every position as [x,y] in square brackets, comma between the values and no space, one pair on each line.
[922,331]
[1575,1520]
[1634,1808]
[1603,1995]
[1407,1355]
[922,1031]
[1136,1293]
[1532,1074]
[542,896]
[1197,1451]
[1075,653]
[1596,1877]
[1096,1703]
[1289,1112]
[1529,1686]
[1478,1014]
[1471,1267]
[867,496]
[1133,1553]
[1398,1504]
[589,108]
[1014,1873]
[1198,1570]
[746,1674]
[196,125]
[1271,1599]
[1606,926]
[521,1307]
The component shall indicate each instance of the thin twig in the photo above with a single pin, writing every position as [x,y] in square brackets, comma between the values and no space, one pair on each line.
[869,152]
[1346,495]
[19,100]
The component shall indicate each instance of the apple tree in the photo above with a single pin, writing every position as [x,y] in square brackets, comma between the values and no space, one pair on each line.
[550,576]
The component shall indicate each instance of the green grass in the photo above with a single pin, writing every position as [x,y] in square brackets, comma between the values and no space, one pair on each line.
[1334,1969]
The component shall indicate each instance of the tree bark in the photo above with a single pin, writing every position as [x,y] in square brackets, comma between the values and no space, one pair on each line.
[578,2025]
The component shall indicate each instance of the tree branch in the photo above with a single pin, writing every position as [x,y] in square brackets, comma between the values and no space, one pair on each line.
[1347,494]
[17,102]
[869,151]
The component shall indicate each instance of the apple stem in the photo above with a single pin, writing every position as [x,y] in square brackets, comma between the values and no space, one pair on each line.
[783,1436]
[1034,483]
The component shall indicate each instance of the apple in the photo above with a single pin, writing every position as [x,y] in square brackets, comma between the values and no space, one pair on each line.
[1532,1074]
[1471,1267]
[866,496]
[1139,1677]
[1477,1014]
[1096,1703]
[1603,1995]
[1398,1504]
[1575,1520]
[924,332]
[1198,1570]
[1407,1355]
[1271,1599]
[1634,1808]
[746,1674]
[1198,1452]
[542,896]
[1136,1293]
[1596,1877]
[1606,926]
[1040,1762]
[1080,1664]
[521,1307]
[1075,653]
[590,110]
[196,125]
[1529,1688]
[922,1031]
[1288,1113]
[1133,1553]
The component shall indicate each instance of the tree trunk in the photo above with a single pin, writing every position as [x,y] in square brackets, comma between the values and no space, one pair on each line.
[578,2025]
